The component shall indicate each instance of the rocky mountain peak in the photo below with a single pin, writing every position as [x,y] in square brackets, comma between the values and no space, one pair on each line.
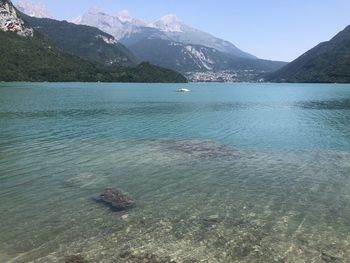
[36,10]
[124,16]
[11,22]
[129,30]
[168,23]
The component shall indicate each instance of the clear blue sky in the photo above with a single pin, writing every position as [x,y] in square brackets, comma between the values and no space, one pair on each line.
[270,29]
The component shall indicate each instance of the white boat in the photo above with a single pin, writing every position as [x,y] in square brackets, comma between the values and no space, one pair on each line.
[183,90]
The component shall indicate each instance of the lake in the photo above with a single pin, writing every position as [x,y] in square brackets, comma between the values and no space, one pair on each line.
[225,173]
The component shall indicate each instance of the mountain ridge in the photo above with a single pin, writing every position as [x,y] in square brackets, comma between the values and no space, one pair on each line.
[328,62]
[196,58]
[84,41]
[169,43]
[28,55]
[38,10]
[168,27]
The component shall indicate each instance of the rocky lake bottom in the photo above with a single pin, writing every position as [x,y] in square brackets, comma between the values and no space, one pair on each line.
[219,185]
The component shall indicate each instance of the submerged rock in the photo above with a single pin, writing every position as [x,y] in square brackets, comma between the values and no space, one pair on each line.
[75,259]
[116,198]
[201,149]
[328,257]
[128,257]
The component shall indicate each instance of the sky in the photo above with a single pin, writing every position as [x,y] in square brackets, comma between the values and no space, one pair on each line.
[269,29]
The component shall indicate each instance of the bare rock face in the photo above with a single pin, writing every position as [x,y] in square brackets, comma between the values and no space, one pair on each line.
[11,22]
[117,198]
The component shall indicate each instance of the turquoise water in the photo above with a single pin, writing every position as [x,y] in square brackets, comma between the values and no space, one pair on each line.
[225,173]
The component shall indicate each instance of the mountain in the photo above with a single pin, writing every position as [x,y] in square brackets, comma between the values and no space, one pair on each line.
[11,22]
[196,58]
[35,10]
[118,26]
[27,55]
[169,27]
[35,59]
[172,44]
[327,62]
[84,41]
[177,31]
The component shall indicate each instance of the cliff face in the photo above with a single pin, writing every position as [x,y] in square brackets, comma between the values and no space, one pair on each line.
[11,22]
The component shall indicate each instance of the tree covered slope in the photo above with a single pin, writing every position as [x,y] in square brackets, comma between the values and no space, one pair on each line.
[84,41]
[36,59]
[328,62]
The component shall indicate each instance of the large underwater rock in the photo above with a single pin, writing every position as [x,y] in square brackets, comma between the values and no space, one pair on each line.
[75,259]
[128,257]
[116,198]
[200,149]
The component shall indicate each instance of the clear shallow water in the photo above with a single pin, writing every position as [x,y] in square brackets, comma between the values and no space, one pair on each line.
[226,173]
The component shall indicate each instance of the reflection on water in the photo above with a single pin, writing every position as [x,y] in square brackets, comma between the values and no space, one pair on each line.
[211,184]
